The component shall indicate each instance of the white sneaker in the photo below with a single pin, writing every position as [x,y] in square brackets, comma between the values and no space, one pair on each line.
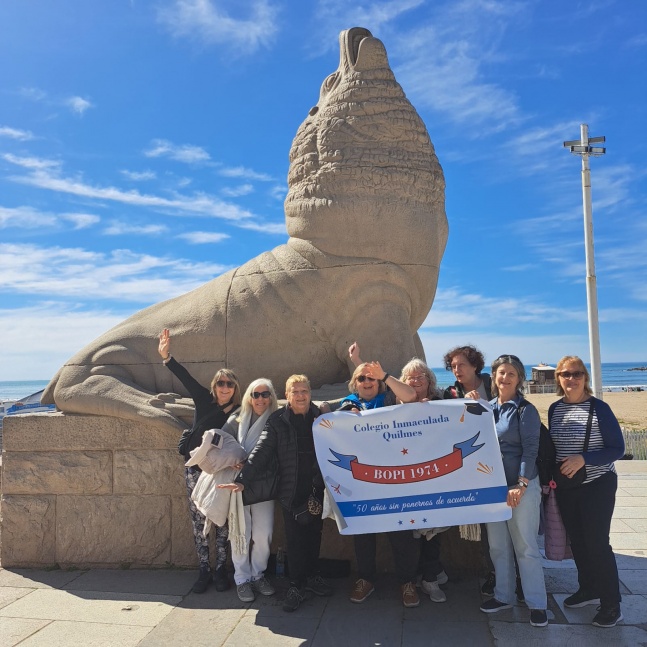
[433,591]
[245,592]
[442,578]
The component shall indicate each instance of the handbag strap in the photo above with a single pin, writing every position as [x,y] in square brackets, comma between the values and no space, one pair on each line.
[589,425]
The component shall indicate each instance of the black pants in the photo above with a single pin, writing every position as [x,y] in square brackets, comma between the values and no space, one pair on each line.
[303,544]
[406,553]
[430,564]
[586,512]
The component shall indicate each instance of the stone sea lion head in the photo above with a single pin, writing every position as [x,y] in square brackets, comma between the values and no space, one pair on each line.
[364,179]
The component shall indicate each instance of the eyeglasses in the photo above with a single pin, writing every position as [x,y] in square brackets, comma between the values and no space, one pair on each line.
[228,383]
[364,378]
[576,375]
[261,394]
[415,378]
[514,358]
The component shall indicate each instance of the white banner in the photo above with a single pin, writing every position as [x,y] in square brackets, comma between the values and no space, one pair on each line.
[421,465]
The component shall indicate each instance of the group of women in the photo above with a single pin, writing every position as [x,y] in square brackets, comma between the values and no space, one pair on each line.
[585,433]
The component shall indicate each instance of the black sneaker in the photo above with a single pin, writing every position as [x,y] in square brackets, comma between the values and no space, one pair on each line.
[580,599]
[519,591]
[538,618]
[318,586]
[293,599]
[202,583]
[607,617]
[493,605]
[221,578]
[489,584]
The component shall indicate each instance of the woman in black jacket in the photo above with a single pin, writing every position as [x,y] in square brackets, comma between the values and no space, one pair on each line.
[287,443]
[212,408]
[466,363]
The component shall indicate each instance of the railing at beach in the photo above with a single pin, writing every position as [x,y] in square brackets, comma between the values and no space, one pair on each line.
[636,443]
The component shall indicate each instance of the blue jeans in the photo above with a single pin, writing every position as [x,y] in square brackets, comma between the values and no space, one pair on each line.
[518,536]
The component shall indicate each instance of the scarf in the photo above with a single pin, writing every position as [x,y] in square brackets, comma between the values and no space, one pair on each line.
[248,432]
[361,404]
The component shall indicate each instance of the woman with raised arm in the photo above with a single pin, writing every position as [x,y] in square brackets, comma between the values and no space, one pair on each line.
[259,401]
[587,508]
[212,408]
[368,386]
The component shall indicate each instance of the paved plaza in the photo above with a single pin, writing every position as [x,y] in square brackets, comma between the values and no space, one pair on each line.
[154,608]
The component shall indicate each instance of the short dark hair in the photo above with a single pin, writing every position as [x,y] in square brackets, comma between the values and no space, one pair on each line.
[474,357]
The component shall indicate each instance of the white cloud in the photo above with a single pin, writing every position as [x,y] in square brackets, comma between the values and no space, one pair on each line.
[118,275]
[246,173]
[454,308]
[279,191]
[332,16]
[265,228]
[14,133]
[199,203]
[442,61]
[33,94]
[139,176]
[203,237]
[25,218]
[39,339]
[117,228]
[208,22]
[31,218]
[78,104]
[184,153]
[31,162]
[81,220]
[237,191]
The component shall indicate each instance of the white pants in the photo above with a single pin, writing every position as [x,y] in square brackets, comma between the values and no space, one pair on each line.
[259,525]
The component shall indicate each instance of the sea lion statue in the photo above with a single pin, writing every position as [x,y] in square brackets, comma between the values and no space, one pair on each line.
[365,212]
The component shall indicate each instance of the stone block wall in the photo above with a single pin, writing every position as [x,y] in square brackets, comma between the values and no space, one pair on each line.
[100,491]
[86,491]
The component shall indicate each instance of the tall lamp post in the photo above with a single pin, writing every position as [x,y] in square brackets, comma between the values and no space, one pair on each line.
[583,148]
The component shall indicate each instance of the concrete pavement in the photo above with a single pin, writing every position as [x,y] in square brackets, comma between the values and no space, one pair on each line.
[155,607]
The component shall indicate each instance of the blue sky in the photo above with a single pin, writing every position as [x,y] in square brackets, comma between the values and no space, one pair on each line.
[144,151]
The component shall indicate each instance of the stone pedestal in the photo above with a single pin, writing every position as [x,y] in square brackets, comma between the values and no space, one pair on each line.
[87,491]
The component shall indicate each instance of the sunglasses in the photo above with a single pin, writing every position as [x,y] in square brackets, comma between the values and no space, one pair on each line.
[576,375]
[261,394]
[514,358]
[228,383]
[364,378]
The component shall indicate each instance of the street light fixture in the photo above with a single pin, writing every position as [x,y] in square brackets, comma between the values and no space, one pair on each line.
[583,148]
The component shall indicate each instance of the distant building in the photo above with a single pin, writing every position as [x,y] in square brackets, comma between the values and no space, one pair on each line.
[542,380]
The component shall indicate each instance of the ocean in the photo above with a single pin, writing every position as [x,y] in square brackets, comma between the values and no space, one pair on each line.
[613,374]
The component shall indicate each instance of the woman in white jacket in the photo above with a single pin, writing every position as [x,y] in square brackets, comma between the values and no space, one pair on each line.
[258,403]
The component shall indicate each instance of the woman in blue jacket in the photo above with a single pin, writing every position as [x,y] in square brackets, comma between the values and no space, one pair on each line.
[518,434]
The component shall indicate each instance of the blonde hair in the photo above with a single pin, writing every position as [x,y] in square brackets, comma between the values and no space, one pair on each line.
[247,397]
[416,365]
[227,374]
[352,385]
[573,359]
[295,379]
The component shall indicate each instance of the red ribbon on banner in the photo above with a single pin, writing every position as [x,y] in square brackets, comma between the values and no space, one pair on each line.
[408,473]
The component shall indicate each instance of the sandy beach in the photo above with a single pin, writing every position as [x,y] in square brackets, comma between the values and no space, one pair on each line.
[629,407]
